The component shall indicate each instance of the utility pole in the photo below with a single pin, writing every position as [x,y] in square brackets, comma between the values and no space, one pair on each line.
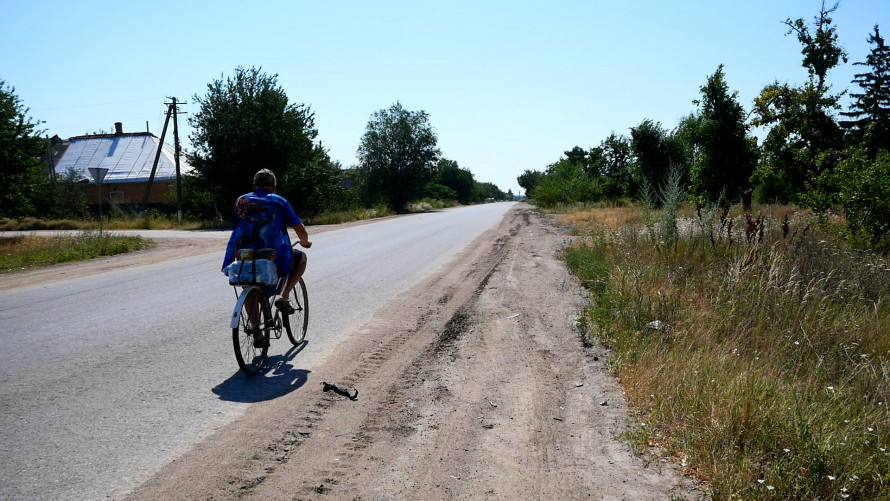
[154,166]
[175,109]
[172,109]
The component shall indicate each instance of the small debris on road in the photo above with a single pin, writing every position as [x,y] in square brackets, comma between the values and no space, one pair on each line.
[332,387]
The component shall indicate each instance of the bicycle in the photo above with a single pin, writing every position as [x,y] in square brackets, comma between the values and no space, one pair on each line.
[253,322]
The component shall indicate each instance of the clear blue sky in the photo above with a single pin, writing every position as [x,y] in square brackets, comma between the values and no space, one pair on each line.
[508,85]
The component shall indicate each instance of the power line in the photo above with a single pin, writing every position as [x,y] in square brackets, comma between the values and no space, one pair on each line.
[96,105]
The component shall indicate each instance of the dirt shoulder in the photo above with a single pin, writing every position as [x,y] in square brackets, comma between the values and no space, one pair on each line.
[472,385]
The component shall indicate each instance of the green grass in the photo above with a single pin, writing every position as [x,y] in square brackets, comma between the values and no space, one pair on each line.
[772,377]
[25,252]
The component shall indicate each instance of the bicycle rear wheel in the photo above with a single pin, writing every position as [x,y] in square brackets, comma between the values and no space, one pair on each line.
[296,324]
[250,338]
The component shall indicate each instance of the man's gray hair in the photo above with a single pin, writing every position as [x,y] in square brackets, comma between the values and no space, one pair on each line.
[264,178]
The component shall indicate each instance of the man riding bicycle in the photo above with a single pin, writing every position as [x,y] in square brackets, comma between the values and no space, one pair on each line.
[260,221]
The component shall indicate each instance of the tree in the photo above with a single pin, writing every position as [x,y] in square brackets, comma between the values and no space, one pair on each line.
[66,197]
[529,180]
[246,123]
[22,172]
[724,156]
[566,182]
[821,51]
[616,168]
[596,161]
[489,190]
[398,150]
[871,106]
[578,155]
[656,152]
[449,174]
[439,192]
[804,138]
[591,161]
[318,186]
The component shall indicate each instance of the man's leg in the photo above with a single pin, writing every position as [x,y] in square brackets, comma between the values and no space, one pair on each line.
[255,329]
[253,310]
[294,277]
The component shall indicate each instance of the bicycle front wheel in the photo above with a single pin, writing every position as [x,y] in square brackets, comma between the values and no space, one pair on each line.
[296,324]
[250,337]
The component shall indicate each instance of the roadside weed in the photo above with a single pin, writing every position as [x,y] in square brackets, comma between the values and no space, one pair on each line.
[24,252]
[756,349]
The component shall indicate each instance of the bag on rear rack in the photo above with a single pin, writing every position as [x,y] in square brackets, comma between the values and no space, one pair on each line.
[252,271]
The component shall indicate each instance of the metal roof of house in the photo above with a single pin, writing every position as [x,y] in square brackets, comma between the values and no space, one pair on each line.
[128,158]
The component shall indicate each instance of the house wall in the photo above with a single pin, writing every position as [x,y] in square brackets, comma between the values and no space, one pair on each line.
[133,193]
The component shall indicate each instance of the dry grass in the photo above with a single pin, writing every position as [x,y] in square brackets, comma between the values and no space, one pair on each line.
[584,220]
[770,374]
[153,222]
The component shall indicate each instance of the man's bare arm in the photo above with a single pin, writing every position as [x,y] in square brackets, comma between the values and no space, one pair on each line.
[303,235]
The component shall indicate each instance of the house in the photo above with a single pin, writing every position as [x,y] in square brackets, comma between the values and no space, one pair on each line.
[129,157]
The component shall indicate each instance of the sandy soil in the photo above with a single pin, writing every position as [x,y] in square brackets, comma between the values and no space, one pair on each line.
[472,385]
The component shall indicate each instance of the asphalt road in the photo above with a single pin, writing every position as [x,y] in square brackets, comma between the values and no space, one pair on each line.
[105,379]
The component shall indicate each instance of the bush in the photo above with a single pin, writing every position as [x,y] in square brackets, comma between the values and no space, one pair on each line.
[566,183]
[439,192]
[771,188]
[864,194]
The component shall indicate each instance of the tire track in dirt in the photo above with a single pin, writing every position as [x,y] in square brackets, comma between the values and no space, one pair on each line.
[393,416]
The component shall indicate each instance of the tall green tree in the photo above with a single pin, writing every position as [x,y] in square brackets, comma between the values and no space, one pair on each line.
[820,49]
[318,186]
[870,108]
[578,155]
[804,139]
[617,168]
[489,190]
[656,151]
[724,156]
[596,161]
[529,180]
[450,174]
[22,172]
[245,123]
[398,151]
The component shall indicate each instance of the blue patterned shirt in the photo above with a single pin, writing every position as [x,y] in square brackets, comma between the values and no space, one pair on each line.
[260,221]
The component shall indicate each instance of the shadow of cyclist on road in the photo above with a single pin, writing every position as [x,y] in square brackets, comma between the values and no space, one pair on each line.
[278,379]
